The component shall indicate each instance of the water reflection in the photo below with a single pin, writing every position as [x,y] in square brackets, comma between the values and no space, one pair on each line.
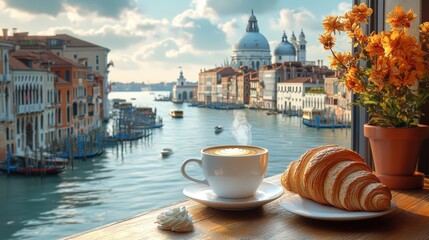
[132,177]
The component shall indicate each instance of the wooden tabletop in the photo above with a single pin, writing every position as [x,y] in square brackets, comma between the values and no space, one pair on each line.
[410,220]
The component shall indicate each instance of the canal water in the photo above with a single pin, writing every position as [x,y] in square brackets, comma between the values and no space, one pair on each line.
[133,178]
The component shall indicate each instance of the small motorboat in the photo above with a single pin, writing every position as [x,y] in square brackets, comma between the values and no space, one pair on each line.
[176,113]
[166,152]
[271,112]
[218,129]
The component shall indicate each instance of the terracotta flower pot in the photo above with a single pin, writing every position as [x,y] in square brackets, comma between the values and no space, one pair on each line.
[395,152]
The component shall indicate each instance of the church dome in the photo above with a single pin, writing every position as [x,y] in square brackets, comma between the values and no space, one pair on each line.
[252,39]
[284,48]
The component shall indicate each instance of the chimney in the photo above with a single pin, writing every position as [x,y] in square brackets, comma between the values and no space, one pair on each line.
[321,63]
[5,37]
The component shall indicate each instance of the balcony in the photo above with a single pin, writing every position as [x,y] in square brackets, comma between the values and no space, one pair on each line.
[6,117]
[31,108]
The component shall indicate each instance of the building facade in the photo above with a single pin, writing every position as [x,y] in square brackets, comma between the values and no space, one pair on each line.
[292,94]
[183,91]
[33,99]
[7,113]
[88,54]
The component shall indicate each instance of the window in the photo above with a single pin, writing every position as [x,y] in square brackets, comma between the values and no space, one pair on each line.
[67,75]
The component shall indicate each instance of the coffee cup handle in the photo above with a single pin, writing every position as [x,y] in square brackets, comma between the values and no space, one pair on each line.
[200,163]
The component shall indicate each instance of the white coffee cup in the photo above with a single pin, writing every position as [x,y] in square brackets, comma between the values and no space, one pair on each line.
[231,171]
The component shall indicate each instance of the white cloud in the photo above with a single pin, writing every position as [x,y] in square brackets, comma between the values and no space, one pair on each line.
[230,28]
[342,8]
[16,14]
[290,19]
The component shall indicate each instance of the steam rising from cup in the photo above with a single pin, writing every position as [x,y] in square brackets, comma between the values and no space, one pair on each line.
[241,129]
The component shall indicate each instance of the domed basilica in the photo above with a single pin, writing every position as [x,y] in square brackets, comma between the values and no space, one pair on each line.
[253,49]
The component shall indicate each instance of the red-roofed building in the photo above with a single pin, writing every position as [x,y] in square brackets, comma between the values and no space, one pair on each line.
[210,84]
[90,55]
[33,101]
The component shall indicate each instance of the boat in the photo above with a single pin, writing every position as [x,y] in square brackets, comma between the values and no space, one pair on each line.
[218,129]
[313,118]
[133,98]
[166,152]
[117,102]
[271,112]
[49,159]
[18,167]
[81,155]
[161,97]
[175,113]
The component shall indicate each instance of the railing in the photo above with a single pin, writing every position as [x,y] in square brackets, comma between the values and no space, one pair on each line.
[31,108]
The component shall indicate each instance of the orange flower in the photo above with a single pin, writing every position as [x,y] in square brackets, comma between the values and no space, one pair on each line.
[398,43]
[349,23]
[352,80]
[394,62]
[380,71]
[424,31]
[397,18]
[327,40]
[360,13]
[340,60]
[374,47]
[332,24]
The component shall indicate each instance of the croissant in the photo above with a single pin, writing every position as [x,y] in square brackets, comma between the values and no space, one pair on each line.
[336,176]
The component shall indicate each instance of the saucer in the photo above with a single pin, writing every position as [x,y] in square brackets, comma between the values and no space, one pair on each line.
[310,209]
[202,193]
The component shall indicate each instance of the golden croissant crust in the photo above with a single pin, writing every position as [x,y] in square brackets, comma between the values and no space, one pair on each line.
[336,176]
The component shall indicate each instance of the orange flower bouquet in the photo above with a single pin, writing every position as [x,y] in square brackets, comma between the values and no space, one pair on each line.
[389,70]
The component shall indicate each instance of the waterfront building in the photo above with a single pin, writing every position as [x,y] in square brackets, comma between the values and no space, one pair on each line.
[90,55]
[94,100]
[63,105]
[33,101]
[75,108]
[293,51]
[7,123]
[256,92]
[337,98]
[252,49]
[243,86]
[210,84]
[183,91]
[292,94]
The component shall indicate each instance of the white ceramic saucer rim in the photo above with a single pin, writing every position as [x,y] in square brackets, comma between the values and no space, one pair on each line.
[273,192]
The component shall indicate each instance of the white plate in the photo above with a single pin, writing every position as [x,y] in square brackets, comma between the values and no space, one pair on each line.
[308,208]
[202,193]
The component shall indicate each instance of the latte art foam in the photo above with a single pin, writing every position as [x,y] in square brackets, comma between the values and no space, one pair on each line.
[234,151]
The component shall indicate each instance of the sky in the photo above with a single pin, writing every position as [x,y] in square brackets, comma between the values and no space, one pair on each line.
[150,40]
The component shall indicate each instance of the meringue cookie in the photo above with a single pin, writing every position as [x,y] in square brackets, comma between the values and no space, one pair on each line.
[176,220]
